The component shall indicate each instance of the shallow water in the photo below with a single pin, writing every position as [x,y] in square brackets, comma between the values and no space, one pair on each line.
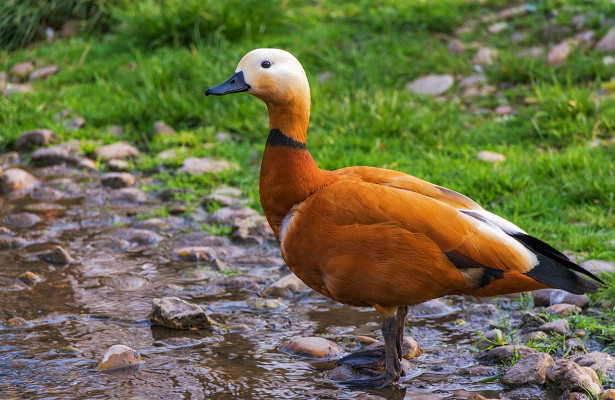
[103,299]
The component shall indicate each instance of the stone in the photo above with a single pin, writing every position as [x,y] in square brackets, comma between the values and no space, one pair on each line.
[22,220]
[565,374]
[504,109]
[227,215]
[125,282]
[560,326]
[118,165]
[223,137]
[35,138]
[11,243]
[70,28]
[120,357]
[530,369]
[75,123]
[504,354]
[532,52]
[410,348]
[497,27]
[286,287]
[118,151]
[160,127]
[176,313]
[485,56]
[608,395]
[530,320]
[473,80]
[115,130]
[493,338]
[44,72]
[56,256]
[563,309]
[554,33]
[431,84]
[22,69]
[199,239]
[9,159]
[312,347]
[490,156]
[266,304]
[206,165]
[549,297]
[141,237]
[432,308]
[118,180]
[16,322]
[512,12]
[128,195]
[56,155]
[17,180]
[577,396]
[222,200]
[533,336]
[607,43]
[168,154]
[456,47]
[30,278]
[484,310]
[200,253]
[160,223]
[586,39]
[593,266]
[598,361]
[559,53]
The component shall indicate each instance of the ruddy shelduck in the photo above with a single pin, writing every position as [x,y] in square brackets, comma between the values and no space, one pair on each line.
[378,238]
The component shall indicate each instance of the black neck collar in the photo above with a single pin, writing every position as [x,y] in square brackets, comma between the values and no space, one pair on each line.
[277,138]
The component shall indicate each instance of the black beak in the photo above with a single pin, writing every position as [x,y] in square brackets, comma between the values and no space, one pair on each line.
[234,84]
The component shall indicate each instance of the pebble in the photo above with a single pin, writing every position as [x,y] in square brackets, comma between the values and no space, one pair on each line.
[17,180]
[118,180]
[22,220]
[56,256]
[598,361]
[530,369]
[493,338]
[161,224]
[75,123]
[160,127]
[128,195]
[485,56]
[44,72]
[56,155]
[607,43]
[559,53]
[497,27]
[125,282]
[227,215]
[565,374]
[484,310]
[168,154]
[490,156]
[266,304]
[560,326]
[608,395]
[70,28]
[22,69]
[531,319]
[11,242]
[141,237]
[16,322]
[504,109]
[120,357]
[176,313]
[456,47]
[549,297]
[199,239]
[68,350]
[35,138]
[9,159]
[205,253]
[115,130]
[206,165]
[431,84]
[563,309]
[503,354]
[432,308]
[594,266]
[222,200]
[118,165]
[410,348]
[30,278]
[118,151]
[533,336]
[286,287]
[313,347]
[473,80]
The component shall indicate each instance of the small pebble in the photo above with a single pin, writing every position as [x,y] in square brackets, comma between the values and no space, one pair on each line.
[120,357]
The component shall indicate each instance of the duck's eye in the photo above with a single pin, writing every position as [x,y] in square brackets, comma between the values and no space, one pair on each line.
[266,64]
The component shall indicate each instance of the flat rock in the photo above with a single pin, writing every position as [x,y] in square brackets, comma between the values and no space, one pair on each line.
[222,200]
[497,27]
[44,72]
[17,180]
[549,297]
[128,195]
[22,220]
[138,236]
[456,47]
[473,80]
[504,109]
[493,338]
[176,313]
[565,375]
[530,369]
[206,165]
[504,354]
[594,266]
[598,361]
[161,127]
[22,69]
[160,223]
[490,156]
[227,215]
[118,180]
[607,43]
[286,287]
[563,309]
[64,153]
[205,253]
[485,56]
[435,307]
[11,242]
[118,165]
[560,326]
[313,347]
[559,53]
[199,239]
[431,84]
[56,256]
[35,138]
[120,357]
[168,154]
[118,151]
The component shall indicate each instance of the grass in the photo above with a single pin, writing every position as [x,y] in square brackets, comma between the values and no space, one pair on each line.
[558,181]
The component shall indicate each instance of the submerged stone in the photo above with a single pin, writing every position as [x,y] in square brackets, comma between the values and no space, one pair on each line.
[56,256]
[120,357]
[22,220]
[286,287]
[312,347]
[176,313]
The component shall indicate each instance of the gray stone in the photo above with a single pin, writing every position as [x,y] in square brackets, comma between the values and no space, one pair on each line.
[456,47]
[160,223]
[168,154]
[598,361]
[222,200]
[17,180]
[44,72]
[115,130]
[431,84]
[607,43]
[504,354]
[559,53]
[493,338]
[118,180]
[313,347]
[497,27]
[138,236]
[564,375]
[485,56]
[118,151]
[118,165]
[174,312]
[199,239]
[205,253]
[56,256]
[490,156]
[473,80]
[160,127]
[549,297]
[34,138]
[227,215]
[128,195]
[504,109]
[11,242]
[22,69]
[596,266]
[286,287]
[75,123]
[560,326]
[22,220]
[200,166]
[530,369]
[70,28]
[435,307]
[9,159]
[64,153]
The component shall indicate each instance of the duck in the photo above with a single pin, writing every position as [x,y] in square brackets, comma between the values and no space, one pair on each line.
[373,237]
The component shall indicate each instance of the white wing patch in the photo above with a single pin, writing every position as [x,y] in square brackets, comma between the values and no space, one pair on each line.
[285,224]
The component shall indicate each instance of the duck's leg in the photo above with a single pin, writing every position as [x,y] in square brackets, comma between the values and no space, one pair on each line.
[392,366]
[400,327]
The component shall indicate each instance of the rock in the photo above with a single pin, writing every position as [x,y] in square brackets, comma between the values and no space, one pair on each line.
[70,28]
[431,84]
[559,53]
[168,154]
[266,304]
[473,80]
[497,27]
[200,253]
[68,350]
[176,313]
[118,165]
[56,256]
[118,151]
[532,52]
[141,237]
[608,395]
[490,156]
[560,326]
[16,322]
[286,287]
[554,33]
[11,242]
[485,56]
[564,375]
[22,220]
[125,282]
[74,123]
[17,180]
[493,338]
[160,223]
[593,266]
[456,47]
[115,130]
[511,12]
[435,307]
[533,336]
[160,127]
[504,354]
[128,195]
[410,348]
[199,239]
[315,348]
[200,166]
[227,215]
[30,278]
[586,39]
[530,369]
[598,361]
[530,320]
[35,138]
[222,200]
[607,43]
[22,69]
[44,72]
[563,309]
[9,159]
[574,345]
[118,180]
[223,137]
[56,155]
[503,109]
[577,396]
[120,357]
[549,297]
